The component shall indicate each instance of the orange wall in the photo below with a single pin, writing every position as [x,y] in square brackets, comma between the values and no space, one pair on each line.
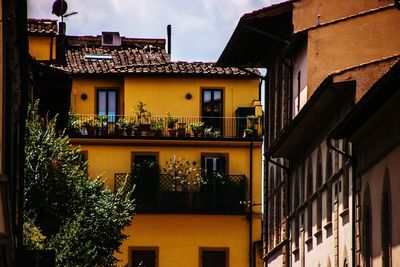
[306,11]
[39,47]
[352,42]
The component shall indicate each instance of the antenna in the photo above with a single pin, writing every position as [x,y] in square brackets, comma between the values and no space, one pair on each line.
[60,8]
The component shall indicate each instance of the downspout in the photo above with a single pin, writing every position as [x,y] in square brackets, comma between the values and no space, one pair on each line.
[353,191]
[250,216]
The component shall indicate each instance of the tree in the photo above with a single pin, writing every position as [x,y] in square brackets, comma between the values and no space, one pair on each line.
[78,217]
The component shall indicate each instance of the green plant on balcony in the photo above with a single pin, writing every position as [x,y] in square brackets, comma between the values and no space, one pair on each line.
[197,127]
[143,116]
[130,126]
[102,122]
[171,121]
[73,124]
[186,175]
[157,126]
[251,131]
[120,126]
[91,125]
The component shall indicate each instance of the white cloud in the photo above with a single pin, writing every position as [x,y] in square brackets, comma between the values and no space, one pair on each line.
[200,28]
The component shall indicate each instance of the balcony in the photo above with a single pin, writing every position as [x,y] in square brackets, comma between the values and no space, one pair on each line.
[163,127]
[220,194]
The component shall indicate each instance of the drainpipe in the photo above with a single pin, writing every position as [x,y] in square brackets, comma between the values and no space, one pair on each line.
[353,192]
[250,216]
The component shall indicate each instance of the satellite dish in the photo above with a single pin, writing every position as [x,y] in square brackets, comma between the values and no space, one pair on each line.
[59,8]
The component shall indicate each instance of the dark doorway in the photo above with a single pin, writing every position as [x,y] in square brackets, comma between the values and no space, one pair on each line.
[212,109]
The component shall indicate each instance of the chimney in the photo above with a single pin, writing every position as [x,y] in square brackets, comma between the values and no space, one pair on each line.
[61,44]
[169,39]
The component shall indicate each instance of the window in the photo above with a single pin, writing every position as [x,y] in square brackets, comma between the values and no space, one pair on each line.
[367,228]
[146,177]
[214,163]
[144,256]
[309,194]
[212,109]
[214,257]
[319,183]
[107,103]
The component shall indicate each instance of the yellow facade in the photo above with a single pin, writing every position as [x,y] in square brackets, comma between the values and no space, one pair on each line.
[177,237]
[40,47]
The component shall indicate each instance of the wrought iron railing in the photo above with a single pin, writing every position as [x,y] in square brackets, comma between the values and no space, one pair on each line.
[218,194]
[157,126]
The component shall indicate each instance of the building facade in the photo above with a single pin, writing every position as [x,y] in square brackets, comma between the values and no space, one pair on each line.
[321,59]
[141,119]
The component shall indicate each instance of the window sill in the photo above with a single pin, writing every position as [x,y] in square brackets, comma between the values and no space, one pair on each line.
[344,212]
[295,250]
[308,241]
[328,225]
[318,233]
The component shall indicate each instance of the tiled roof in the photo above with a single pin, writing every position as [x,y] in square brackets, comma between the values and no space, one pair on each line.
[42,26]
[147,60]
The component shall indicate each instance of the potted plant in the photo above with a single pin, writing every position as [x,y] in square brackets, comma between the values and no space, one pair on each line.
[73,125]
[129,127]
[102,123]
[171,121]
[157,126]
[91,125]
[143,117]
[181,129]
[248,133]
[251,131]
[186,177]
[120,126]
[196,127]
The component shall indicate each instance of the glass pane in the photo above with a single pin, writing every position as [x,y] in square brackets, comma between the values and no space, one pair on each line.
[206,102]
[112,105]
[101,102]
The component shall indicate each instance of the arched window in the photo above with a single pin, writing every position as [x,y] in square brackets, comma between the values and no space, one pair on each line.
[386,222]
[329,169]
[329,172]
[367,228]
[309,194]
[319,183]
[345,263]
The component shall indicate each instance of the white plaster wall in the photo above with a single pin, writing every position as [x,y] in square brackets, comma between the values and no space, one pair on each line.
[375,179]
[300,64]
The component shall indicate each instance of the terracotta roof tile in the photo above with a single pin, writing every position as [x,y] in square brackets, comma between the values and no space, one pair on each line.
[42,26]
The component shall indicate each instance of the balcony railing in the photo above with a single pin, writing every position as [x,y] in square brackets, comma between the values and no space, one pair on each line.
[157,127]
[222,194]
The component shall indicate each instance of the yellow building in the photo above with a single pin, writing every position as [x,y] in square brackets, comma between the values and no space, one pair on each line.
[212,221]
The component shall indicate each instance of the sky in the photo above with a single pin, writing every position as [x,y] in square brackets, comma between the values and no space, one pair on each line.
[200,28]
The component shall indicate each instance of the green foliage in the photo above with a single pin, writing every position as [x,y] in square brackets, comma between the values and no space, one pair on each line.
[171,121]
[81,220]
[186,175]
[33,237]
